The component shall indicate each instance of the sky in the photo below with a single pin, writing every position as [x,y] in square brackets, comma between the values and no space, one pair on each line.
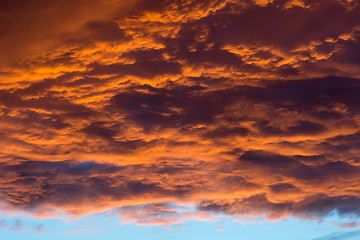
[180,119]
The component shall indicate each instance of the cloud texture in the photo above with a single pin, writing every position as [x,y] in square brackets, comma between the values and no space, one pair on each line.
[246,108]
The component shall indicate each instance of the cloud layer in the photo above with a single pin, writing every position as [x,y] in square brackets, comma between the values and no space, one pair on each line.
[245,108]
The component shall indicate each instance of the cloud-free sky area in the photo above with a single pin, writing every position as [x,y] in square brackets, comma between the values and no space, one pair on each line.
[180,119]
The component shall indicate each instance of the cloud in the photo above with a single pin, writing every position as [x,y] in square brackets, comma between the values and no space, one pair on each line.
[39,228]
[150,214]
[247,108]
[3,224]
[349,225]
[315,206]
[18,226]
[336,236]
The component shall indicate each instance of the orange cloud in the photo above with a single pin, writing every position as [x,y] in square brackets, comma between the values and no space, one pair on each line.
[243,108]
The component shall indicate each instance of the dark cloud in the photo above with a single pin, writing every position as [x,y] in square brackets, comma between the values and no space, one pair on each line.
[37,169]
[347,50]
[283,187]
[38,88]
[314,206]
[183,105]
[268,24]
[144,68]
[341,143]
[63,182]
[159,106]
[301,128]
[48,102]
[95,129]
[98,31]
[226,132]
[302,170]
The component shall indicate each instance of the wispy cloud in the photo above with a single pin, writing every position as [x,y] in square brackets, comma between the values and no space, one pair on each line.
[341,235]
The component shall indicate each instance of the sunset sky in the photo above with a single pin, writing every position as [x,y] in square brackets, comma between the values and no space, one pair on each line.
[180,119]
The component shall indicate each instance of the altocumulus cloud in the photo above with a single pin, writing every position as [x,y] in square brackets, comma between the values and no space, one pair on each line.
[248,108]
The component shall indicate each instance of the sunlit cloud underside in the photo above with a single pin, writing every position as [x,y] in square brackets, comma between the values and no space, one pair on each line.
[165,112]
